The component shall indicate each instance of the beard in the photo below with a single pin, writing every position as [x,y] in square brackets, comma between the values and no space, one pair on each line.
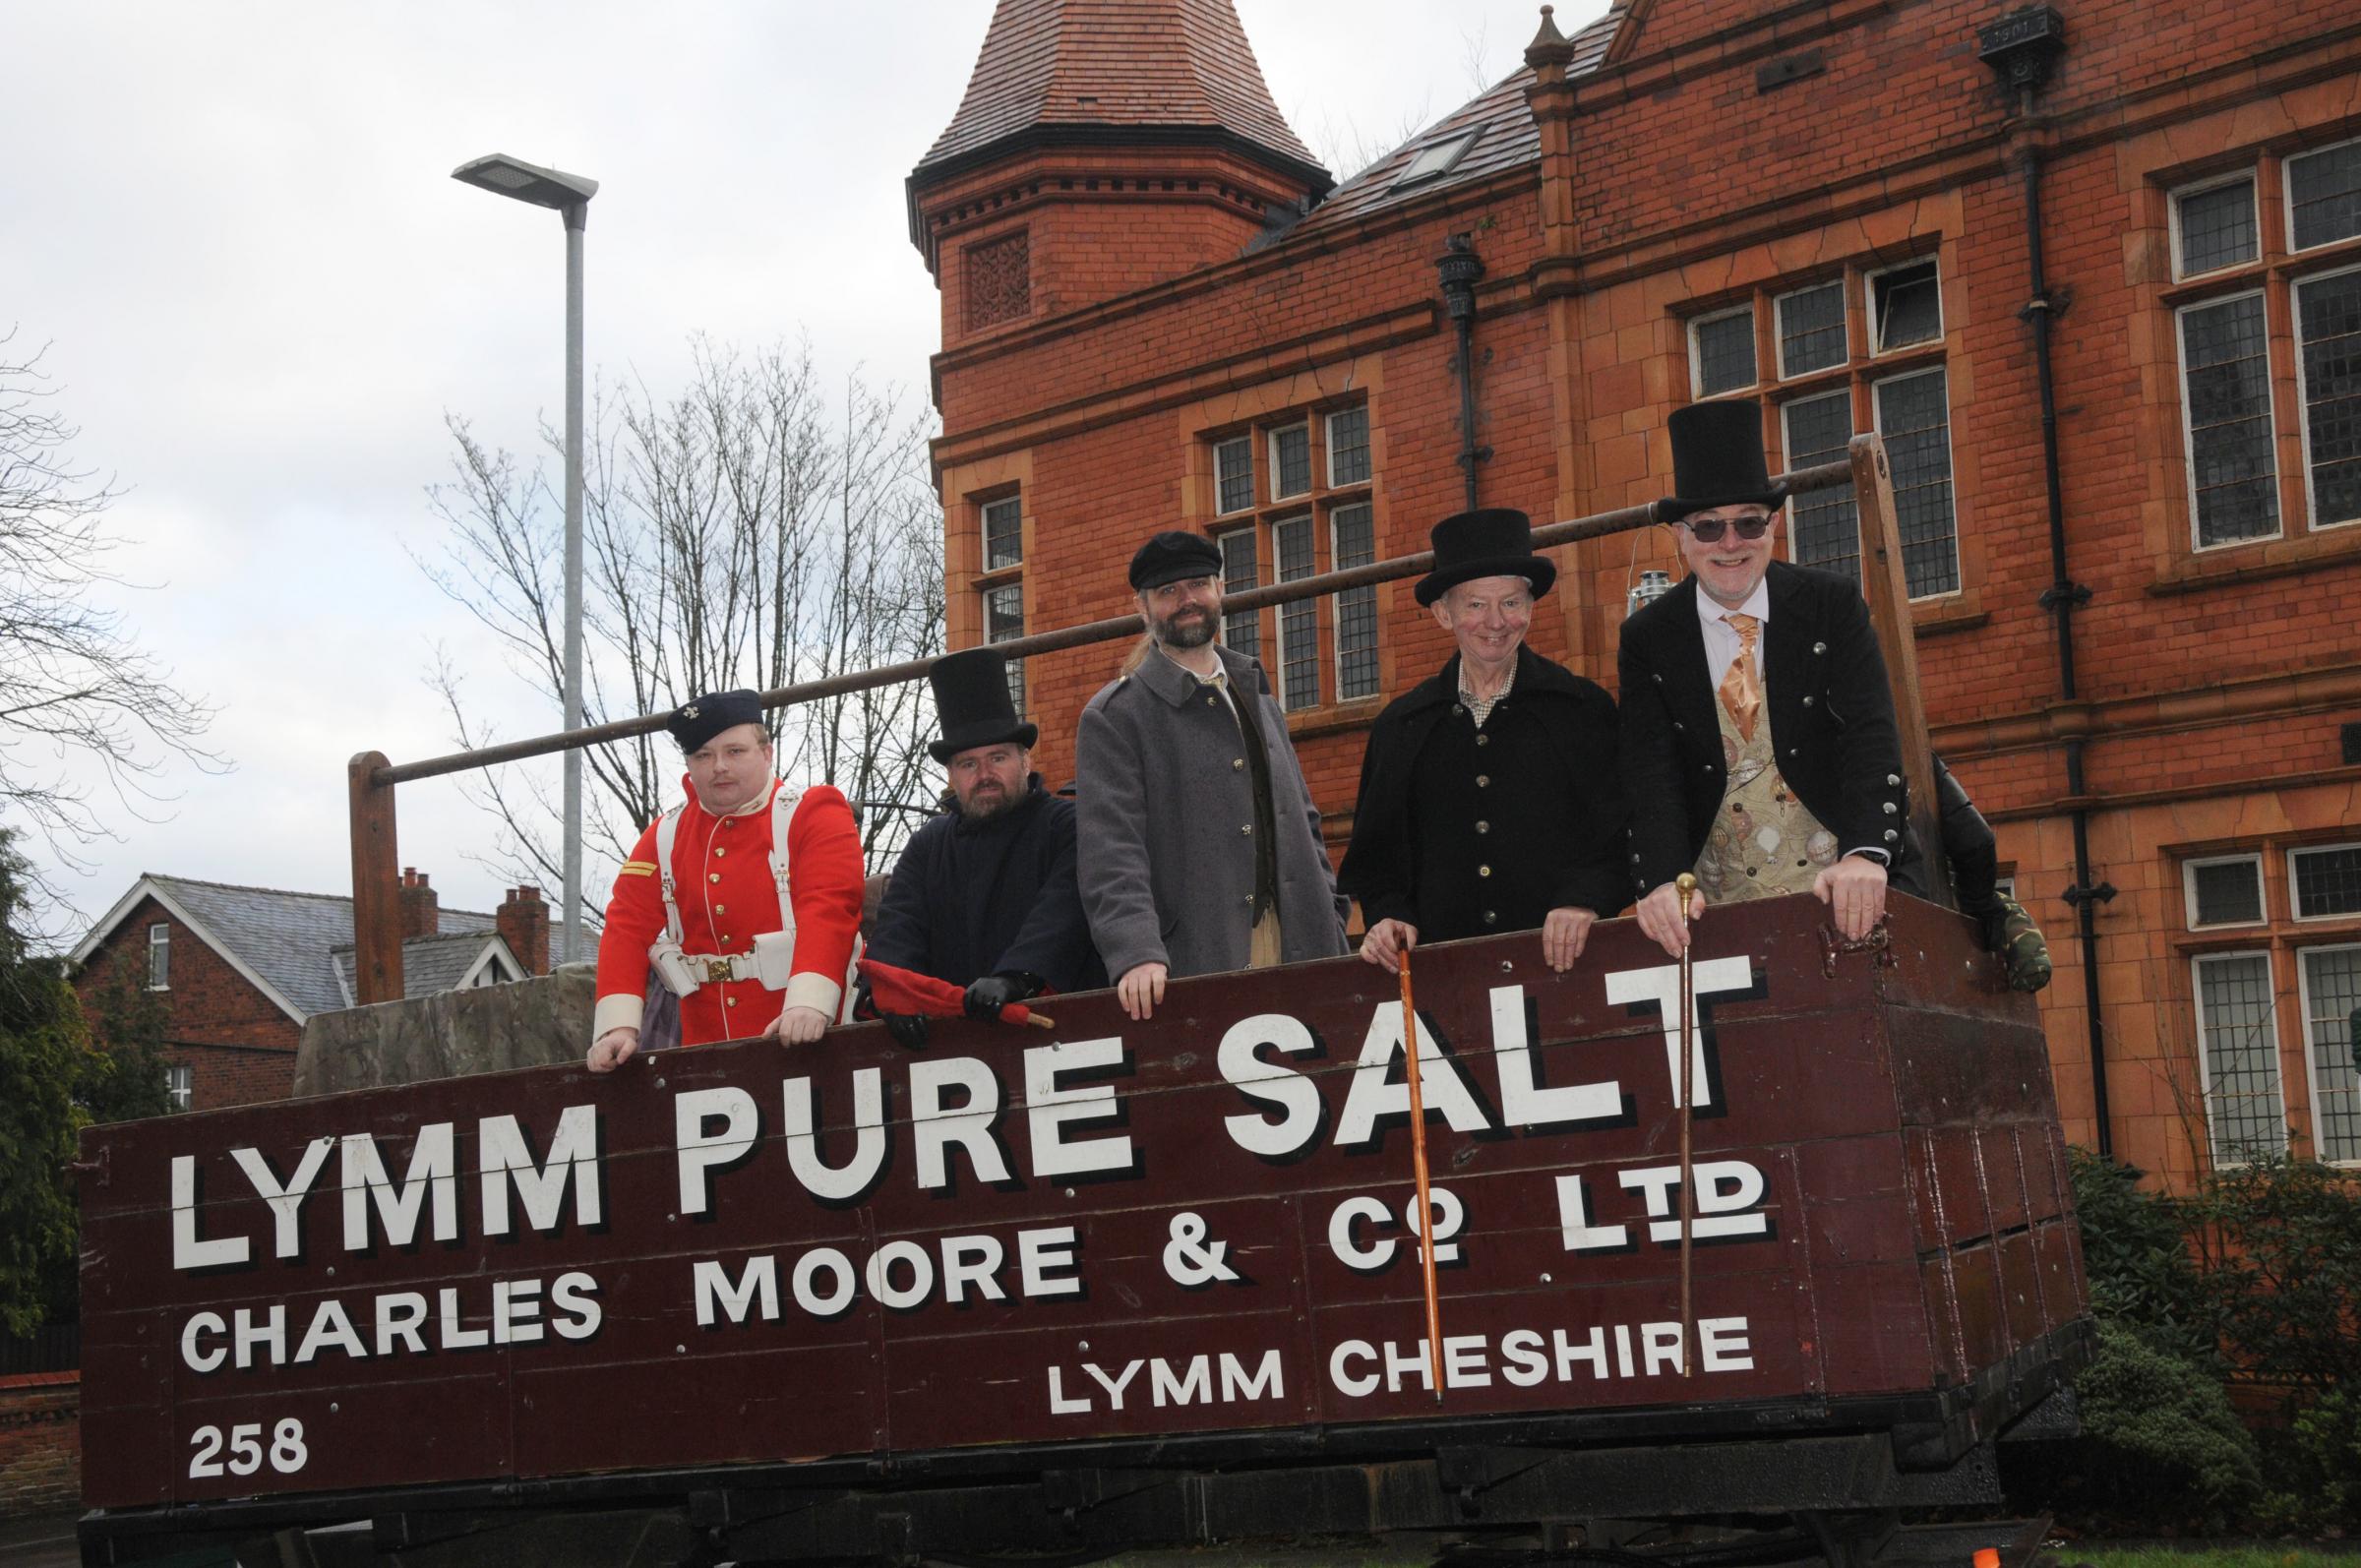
[1175,632]
[987,801]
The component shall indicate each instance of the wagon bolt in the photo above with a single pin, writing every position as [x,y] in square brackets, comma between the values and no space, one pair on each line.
[1070,1192]
[332,1271]
[1545,1278]
[334,1407]
[1081,1345]
[680,1350]
[659,1083]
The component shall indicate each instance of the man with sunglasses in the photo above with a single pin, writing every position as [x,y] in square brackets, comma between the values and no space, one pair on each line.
[1198,844]
[1760,747]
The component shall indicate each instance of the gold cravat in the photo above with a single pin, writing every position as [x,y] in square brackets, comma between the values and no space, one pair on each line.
[1742,688]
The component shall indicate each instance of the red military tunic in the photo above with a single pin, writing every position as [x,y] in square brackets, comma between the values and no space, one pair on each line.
[722,879]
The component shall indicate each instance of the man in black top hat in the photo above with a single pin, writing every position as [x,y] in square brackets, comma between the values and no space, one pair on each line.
[1488,798]
[1760,747]
[984,895]
[1200,845]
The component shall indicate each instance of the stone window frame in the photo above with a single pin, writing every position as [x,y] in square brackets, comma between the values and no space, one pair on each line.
[159,955]
[1317,627]
[1858,375]
[2348,1092]
[2275,274]
[2264,1065]
[2244,174]
[2286,941]
[180,1086]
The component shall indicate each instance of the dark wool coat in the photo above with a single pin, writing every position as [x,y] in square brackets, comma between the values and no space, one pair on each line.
[1168,813]
[996,898]
[1553,823]
[1832,724]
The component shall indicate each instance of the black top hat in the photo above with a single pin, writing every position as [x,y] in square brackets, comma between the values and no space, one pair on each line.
[699,719]
[1496,542]
[973,706]
[1174,557]
[1718,459]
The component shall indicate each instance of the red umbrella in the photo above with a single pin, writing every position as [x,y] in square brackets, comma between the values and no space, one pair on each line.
[905,991]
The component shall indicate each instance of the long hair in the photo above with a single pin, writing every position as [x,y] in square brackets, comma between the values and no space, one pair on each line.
[1138,654]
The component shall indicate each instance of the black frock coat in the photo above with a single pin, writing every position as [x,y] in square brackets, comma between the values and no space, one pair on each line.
[1832,725]
[996,898]
[1578,717]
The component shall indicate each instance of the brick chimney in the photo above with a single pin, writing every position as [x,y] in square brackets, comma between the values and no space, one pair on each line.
[421,914]
[523,920]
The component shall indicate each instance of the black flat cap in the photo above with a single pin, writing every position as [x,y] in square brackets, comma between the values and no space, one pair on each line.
[1174,556]
[699,719]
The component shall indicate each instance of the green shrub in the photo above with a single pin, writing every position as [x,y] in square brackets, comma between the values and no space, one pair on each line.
[2314,1468]
[2159,1438]
[2135,1254]
[2282,1241]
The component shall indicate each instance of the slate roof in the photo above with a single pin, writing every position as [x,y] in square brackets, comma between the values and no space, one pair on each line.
[428,964]
[1117,65]
[1506,139]
[290,938]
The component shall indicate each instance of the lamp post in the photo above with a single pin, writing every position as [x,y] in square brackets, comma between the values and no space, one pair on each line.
[570,195]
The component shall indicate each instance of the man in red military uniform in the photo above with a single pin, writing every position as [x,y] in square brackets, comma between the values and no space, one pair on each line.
[713,929]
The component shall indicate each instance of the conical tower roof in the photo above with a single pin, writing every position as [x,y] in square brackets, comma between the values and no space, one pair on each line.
[1118,73]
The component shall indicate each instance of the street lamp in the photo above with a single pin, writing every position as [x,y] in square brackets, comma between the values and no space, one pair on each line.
[570,195]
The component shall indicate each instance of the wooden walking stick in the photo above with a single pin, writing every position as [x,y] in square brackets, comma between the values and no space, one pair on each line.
[1687,885]
[1418,1160]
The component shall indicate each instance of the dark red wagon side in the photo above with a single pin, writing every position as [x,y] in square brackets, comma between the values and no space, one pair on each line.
[1116,1285]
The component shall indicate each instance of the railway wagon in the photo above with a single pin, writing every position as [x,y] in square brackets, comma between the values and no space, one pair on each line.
[1119,1284]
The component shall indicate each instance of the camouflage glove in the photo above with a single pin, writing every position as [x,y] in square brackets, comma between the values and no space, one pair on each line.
[2010,933]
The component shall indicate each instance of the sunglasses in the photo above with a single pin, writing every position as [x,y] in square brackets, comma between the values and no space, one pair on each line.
[1709,529]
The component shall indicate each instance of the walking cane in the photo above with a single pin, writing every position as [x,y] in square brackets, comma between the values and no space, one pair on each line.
[1687,885]
[1417,1158]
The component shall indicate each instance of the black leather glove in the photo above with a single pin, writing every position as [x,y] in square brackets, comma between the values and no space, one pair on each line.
[986,996]
[909,1029]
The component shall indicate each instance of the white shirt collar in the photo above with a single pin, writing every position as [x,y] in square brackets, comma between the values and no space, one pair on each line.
[1710,613]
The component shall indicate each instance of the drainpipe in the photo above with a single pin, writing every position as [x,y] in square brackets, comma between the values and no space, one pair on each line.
[2022,46]
[1461,267]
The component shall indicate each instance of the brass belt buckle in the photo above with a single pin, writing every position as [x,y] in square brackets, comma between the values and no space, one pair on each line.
[718,969]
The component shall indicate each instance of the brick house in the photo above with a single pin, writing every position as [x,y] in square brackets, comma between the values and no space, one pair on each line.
[242,968]
[1159,311]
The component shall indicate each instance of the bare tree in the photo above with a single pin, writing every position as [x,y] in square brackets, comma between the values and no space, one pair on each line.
[75,687]
[751,530]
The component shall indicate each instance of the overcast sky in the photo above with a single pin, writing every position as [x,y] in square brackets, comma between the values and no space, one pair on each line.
[234,227]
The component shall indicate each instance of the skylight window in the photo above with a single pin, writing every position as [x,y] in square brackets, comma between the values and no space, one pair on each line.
[1437,158]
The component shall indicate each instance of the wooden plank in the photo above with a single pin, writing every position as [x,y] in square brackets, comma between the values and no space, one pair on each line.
[1197,1223]
[376,884]
[1887,589]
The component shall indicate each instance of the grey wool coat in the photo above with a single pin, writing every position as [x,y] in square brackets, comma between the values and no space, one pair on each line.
[1165,803]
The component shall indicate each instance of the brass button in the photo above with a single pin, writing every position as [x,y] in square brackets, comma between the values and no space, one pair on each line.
[1678,727]
[1483,827]
[1889,807]
[1483,740]
[1484,781]
[1807,701]
[718,850]
[712,877]
[1491,917]
[1819,648]
[1249,900]
[1484,870]
[1237,763]
[1211,700]
[1892,778]
[1247,829]
[1458,710]
[721,909]
[1891,835]
[729,1001]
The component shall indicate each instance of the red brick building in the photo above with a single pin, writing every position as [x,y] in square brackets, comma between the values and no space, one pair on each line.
[241,967]
[1158,312]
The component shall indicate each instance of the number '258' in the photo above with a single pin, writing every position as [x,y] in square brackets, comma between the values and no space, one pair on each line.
[246,1454]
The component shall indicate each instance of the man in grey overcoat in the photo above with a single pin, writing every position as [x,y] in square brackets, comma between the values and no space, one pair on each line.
[1198,844]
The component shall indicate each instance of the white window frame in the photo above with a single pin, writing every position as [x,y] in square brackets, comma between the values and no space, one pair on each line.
[1877,345]
[1697,391]
[2287,194]
[1328,446]
[2189,868]
[180,1086]
[983,532]
[2173,214]
[1246,444]
[2005,886]
[1778,330]
[1271,451]
[1253,533]
[1951,472]
[2303,395]
[2205,1061]
[160,942]
[2303,1009]
[1787,447]
[2180,371]
[2294,901]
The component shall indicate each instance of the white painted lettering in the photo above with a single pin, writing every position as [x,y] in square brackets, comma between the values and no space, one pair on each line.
[1049,1110]
[1295,1095]
[698,1152]
[1523,1101]
[505,1159]
[287,1202]
[188,1250]
[433,1175]
[936,1128]
[845,1183]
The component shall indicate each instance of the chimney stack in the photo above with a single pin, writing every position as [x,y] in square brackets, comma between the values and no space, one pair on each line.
[523,922]
[421,914]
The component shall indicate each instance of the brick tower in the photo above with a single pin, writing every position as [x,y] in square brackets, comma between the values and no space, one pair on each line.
[1102,145]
